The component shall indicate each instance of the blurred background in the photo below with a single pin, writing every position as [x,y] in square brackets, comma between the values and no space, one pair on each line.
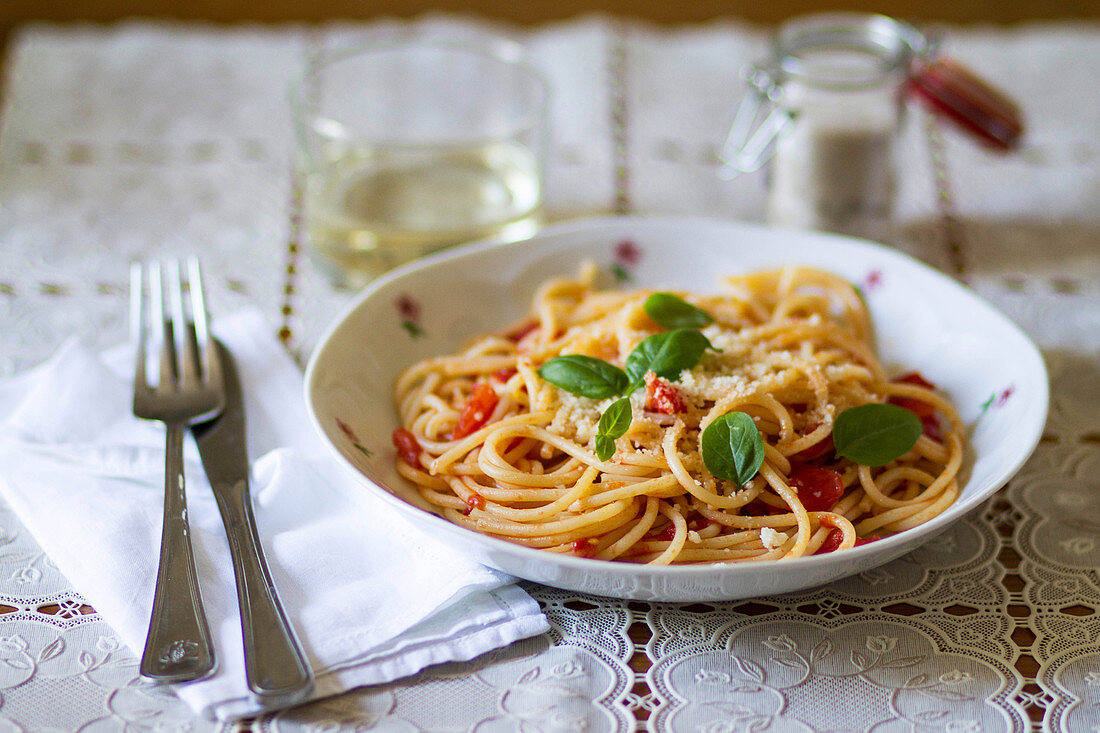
[14,12]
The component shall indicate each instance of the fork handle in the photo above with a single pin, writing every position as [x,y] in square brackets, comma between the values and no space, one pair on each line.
[275,666]
[178,647]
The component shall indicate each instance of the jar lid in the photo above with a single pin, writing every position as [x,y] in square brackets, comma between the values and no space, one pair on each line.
[844,51]
[952,91]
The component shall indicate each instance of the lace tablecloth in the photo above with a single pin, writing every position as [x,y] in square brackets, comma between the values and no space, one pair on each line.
[132,141]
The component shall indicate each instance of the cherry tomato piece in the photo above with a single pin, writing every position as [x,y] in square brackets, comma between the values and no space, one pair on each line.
[477,411]
[921,409]
[818,488]
[503,375]
[408,447]
[832,542]
[662,396]
[474,501]
[585,546]
[665,534]
[522,331]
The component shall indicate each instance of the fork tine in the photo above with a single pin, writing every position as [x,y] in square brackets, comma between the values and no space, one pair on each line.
[198,301]
[209,358]
[163,331]
[187,366]
[137,325]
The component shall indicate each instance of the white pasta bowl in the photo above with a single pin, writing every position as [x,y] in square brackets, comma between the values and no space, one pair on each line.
[923,321]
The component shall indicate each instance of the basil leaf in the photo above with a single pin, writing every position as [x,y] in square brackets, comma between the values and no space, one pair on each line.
[671,311]
[875,434]
[586,376]
[614,422]
[733,448]
[605,447]
[667,354]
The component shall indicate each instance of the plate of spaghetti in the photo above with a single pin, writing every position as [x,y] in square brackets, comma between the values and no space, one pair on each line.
[677,409]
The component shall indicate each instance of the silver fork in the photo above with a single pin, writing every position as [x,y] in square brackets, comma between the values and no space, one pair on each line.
[189,388]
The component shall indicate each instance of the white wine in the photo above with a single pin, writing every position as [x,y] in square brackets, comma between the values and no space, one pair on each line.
[369,211]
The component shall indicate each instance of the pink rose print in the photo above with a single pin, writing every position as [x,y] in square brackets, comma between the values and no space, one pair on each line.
[626,257]
[408,310]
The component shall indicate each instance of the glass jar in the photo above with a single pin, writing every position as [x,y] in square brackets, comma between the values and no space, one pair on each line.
[831,95]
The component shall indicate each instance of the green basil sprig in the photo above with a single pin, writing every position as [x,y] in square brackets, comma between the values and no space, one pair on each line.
[586,376]
[733,448]
[614,422]
[875,434]
[666,354]
[671,311]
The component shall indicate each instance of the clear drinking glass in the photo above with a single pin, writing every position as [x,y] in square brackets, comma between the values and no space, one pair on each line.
[834,91]
[407,148]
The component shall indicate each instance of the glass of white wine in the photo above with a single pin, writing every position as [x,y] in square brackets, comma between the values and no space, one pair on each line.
[410,147]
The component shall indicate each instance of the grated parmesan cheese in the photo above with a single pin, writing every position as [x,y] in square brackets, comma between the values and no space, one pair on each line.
[576,417]
[772,539]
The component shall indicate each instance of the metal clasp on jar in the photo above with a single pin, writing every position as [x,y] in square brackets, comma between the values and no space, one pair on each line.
[749,145]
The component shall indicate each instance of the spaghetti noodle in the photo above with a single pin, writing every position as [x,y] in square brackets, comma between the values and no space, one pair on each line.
[502,438]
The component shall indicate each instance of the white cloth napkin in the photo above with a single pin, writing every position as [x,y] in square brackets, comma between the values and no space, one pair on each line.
[371,597]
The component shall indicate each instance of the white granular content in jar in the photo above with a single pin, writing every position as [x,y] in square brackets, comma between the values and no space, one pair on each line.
[833,170]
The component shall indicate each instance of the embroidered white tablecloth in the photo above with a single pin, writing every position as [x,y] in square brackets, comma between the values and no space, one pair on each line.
[139,140]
